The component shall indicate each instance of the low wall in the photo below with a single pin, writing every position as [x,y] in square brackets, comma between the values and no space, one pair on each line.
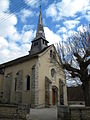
[73,113]
[76,103]
[13,112]
[63,113]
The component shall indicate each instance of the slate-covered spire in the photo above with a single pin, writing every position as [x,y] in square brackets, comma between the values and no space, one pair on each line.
[39,42]
[40,29]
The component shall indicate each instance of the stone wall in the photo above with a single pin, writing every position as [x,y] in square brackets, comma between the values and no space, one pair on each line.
[18,93]
[73,113]
[13,112]
[63,113]
[47,92]
[7,88]
[34,87]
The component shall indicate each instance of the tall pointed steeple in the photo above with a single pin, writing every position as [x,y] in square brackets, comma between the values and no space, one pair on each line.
[39,42]
[40,29]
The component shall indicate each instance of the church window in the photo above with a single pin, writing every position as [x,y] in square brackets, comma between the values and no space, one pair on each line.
[43,42]
[36,43]
[53,73]
[15,84]
[54,55]
[50,53]
[27,83]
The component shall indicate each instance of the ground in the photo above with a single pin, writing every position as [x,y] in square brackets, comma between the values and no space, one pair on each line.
[44,114]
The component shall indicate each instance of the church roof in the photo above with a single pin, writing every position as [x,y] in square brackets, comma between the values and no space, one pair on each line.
[22,59]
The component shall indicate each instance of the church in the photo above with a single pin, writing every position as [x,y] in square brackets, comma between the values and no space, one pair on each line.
[36,79]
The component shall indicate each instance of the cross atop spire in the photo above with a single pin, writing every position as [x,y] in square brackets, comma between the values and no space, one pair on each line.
[40,7]
[40,29]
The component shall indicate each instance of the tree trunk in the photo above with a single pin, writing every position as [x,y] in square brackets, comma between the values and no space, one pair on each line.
[86,92]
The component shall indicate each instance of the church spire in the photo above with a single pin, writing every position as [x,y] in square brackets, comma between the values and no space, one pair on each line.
[39,42]
[40,29]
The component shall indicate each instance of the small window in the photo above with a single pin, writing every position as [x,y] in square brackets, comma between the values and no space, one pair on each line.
[54,55]
[53,73]
[43,42]
[36,43]
[28,82]
[50,53]
[15,84]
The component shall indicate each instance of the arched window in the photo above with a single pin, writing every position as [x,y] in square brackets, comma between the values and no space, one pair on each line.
[27,83]
[15,84]
[53,73]
[51,53]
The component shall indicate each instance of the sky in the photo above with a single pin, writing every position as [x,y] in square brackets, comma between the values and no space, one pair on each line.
[19,18]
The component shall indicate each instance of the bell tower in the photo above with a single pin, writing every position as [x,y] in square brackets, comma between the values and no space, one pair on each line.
[39,42]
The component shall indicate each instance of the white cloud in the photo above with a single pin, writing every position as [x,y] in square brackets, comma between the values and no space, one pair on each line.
[67,8]
[62,30]
[36,3]
[82,28]
[71,7]
[70,24]
[26,48]
[4,5]
[51,11]
[9,36]
[7,26]
[87,16]
[24,14]
[64,37]
[52,37]
[27,36]
[3,43]
[7,23]
[28,27]
[32,3]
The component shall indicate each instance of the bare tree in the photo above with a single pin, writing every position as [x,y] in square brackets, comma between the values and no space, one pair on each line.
[75,58]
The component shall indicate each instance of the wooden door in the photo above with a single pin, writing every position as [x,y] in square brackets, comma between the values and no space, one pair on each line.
[53,97]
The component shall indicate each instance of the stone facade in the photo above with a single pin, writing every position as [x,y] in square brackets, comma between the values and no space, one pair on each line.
[39,68]
[34,87]
[7,88]
[48,91]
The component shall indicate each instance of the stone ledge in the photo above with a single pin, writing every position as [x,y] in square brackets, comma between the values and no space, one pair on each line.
[12,112]
[73,112]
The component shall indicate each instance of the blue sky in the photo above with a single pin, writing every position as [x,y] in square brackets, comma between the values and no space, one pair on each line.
[18,23]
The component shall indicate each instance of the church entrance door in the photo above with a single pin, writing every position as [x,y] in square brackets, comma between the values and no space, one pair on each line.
[53,96]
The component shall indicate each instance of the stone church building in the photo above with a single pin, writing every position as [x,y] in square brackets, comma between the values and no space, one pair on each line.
[36,79]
